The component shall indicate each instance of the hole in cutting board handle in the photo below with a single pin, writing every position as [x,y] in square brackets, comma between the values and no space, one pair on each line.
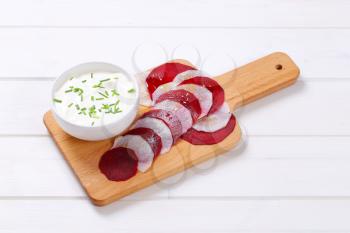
[278,67]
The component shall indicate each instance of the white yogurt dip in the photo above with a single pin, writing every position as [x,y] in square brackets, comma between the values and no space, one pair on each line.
[95,99]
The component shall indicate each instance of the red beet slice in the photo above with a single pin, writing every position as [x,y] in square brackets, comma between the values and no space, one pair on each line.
[169,119]
[118,164]
[164,74]
[206,138]
[213,87]
[186,99]
[150,137]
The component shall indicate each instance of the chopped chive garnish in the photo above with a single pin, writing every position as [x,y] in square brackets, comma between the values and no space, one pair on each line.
[104,95]
[92,112]
[116,110]
[78,90]
[105,80]
[105,106]
[98,85]
[114,92]
[82,111]
[132,90]
[71,88]
[57,100]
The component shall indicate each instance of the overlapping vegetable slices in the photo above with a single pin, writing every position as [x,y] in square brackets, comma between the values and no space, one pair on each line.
[169,118]
[217,91]
[150,137]
[186,99]
[160,128]
[203,95]
[196,137]
[186,105]
[140,147]
[182,113]
[164,74]
[180,77]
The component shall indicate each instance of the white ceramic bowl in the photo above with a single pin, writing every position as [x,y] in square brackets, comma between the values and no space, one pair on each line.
[95,133]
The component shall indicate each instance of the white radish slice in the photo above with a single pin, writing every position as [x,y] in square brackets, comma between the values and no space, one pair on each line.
[187,75]
[178,79]
[145,98]
[162,89]
[204,96]
[142,149]
[181,112]
[160,128]
[214,121]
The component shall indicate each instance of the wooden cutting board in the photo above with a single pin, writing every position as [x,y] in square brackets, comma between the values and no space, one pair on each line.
[242,86]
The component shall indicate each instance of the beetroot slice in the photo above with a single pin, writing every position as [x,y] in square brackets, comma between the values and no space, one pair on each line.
[118,164]
[214,87]
[169,119]
[164,74]
[209,138]
[186,99]
[150,137]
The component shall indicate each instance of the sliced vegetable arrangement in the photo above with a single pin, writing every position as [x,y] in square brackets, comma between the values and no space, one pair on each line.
[184,104]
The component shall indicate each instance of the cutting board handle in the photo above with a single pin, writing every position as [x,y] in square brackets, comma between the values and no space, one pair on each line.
[258,79]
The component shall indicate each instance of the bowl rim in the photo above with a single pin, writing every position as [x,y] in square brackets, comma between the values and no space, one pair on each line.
[64,77]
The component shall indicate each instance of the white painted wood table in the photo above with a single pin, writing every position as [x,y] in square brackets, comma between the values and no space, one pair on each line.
[292,175]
